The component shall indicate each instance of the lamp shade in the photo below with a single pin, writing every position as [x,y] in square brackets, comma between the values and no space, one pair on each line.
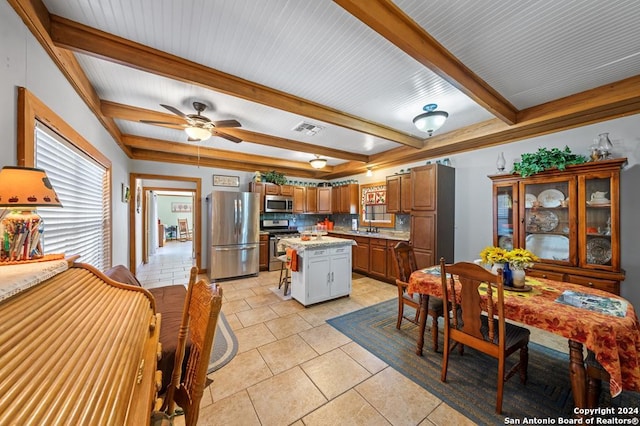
[195,132]
[318,163]
[431,120]
[25,187]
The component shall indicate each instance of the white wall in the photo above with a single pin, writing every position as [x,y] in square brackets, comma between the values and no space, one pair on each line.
[24,63]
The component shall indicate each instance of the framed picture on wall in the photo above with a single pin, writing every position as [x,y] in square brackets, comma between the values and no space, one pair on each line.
[126,195]
[181,207]
[222,180]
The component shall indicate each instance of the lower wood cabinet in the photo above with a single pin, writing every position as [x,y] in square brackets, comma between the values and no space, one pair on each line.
[378,258]
[264,252]
[361,255]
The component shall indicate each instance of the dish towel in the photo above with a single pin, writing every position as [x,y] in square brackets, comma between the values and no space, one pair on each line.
[292,259]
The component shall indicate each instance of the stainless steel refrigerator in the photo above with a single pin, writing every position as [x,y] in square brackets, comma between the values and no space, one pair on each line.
[233,234]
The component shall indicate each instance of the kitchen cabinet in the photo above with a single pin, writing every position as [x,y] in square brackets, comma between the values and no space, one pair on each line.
[299,199]
[345,198]
[323,274]
[260,188]
[432,213]
[569,218]
[286,190]
[311,199]
[324,200]
[378,258]
[361,255]
[271,189]
[399,193]
[264,252]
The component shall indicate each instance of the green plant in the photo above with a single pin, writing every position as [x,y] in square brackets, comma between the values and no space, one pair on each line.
[274,177]
[545,159]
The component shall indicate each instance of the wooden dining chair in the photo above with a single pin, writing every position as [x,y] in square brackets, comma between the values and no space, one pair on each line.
[405,265]
[487,333]
[202,309]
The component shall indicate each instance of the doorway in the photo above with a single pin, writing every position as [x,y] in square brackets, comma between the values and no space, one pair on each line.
[144,229]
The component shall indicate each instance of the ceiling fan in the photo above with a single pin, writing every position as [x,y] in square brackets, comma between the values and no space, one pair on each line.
[197,126]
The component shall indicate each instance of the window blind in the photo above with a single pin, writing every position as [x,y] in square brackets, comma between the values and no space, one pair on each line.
[82,225]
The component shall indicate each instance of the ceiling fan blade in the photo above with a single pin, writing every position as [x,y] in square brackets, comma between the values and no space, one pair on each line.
[227,137]
[175,110]
[227,123]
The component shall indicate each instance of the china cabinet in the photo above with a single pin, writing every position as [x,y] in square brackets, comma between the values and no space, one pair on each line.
[570,219]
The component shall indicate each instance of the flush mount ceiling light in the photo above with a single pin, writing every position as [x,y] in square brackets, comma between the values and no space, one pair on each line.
[195,132]
[431,120]
[369,172]
[318,163]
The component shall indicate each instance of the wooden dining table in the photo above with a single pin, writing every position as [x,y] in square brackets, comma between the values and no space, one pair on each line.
[613,335]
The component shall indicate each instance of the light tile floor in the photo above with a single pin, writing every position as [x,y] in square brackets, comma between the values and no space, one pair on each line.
[294,369]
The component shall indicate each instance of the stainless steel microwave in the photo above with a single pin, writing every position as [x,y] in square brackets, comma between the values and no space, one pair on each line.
[278,204]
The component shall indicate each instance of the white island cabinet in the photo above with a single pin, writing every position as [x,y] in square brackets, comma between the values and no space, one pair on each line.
[324,269]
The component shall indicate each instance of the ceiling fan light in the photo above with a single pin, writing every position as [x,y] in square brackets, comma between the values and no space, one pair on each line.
[431,120]
[318,163]
[200,133]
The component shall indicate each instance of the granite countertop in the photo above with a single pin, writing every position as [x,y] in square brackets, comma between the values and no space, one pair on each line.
[397,236]
[313,243]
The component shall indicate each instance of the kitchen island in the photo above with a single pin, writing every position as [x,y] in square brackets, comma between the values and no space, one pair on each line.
[323,268]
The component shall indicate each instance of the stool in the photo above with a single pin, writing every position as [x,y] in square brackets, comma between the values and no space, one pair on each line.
[285,277]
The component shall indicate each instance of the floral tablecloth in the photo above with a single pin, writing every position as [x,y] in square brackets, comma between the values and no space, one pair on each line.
[614,340]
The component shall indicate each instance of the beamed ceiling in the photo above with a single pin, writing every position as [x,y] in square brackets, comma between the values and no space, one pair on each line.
[359,69]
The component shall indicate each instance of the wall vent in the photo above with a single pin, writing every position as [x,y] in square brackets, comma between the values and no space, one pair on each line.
[307,128]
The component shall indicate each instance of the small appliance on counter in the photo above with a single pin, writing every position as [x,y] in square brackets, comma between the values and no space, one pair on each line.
[354,224]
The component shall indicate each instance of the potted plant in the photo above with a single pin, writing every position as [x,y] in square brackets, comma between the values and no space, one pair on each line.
[545,159]
[274,177]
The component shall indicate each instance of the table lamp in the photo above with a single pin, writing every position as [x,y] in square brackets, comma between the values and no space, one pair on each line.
[22,189]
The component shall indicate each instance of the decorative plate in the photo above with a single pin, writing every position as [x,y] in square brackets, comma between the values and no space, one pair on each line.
[598,251]
[544,220]
[550,198]
[529,200]
[548,246]
[505,242]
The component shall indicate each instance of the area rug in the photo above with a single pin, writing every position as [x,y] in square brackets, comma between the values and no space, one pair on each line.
[471,378]
[225,345]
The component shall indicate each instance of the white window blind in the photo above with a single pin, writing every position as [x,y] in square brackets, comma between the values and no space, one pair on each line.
[82,225]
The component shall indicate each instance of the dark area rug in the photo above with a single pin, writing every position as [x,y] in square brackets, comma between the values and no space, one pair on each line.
[225,345]
[472,378]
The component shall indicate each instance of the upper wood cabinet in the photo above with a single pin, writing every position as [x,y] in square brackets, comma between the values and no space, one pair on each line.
[258,187]
[324,200]
[432,213]
[345,198]
[570,219]
[399,193]
[299,199]
[311,199]
[271,188]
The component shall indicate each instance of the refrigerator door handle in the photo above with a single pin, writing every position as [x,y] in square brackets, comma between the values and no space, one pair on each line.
[233,249]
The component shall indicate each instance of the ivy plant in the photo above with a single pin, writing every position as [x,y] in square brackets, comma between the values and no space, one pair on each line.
[274,177]
[545,159]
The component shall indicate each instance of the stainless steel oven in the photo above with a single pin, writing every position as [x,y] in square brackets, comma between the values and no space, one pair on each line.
[277,229]
[278,204]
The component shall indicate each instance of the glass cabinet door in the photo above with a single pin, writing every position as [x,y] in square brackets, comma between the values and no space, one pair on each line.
[504,215]
[548,220]
[599,230]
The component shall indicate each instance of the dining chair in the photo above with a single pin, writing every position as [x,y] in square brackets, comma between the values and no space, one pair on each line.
[202,309]
[406,264]
[487,333]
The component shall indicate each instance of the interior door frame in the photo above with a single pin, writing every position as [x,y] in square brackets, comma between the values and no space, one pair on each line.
[133,215]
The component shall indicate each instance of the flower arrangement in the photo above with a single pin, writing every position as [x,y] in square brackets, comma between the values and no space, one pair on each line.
[517,258]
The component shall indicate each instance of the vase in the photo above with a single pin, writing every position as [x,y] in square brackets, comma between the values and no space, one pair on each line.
[518,276]
[507,278]
[501,163]
[605,145]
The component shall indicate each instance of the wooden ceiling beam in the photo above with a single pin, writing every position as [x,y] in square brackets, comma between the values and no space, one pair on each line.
[36,17]
[392,23]
[130,113]
[165,157]
[257,162]
[81,38]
